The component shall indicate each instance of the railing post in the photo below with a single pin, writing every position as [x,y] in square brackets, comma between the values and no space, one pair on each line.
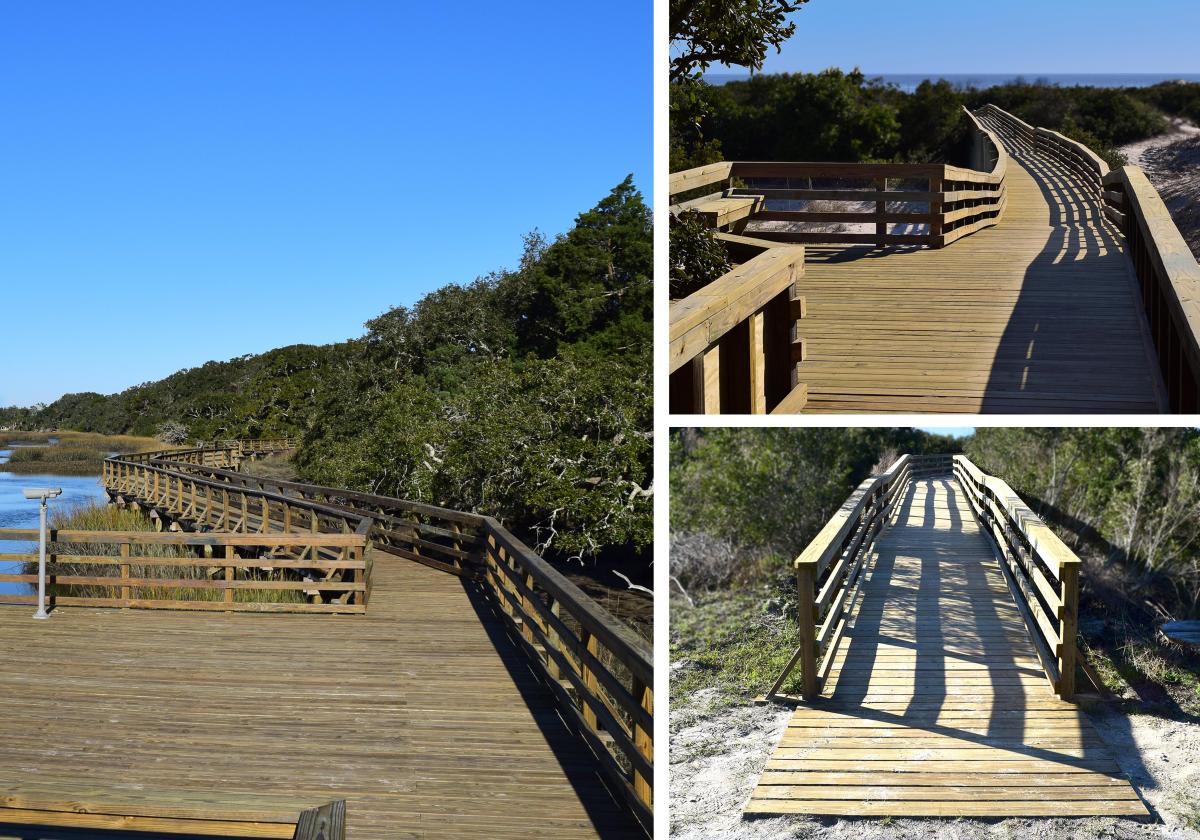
[644,741]
[806,611]
[125,574]
[936,226]
[1067,627]
[880,210]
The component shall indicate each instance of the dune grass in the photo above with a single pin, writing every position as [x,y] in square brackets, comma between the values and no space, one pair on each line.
[67,453]
[93,517]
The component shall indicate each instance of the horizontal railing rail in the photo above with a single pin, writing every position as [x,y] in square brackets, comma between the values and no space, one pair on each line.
[734,345]
[278,572]
[601,671]
[933,204]
[1041,572]
[929,465]
[830,570]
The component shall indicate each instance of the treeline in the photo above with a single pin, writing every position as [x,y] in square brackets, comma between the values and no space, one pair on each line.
[1126,499]
[525,394]
[745,501]
[850,117]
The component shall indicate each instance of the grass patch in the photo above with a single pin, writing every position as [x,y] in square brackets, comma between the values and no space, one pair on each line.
[67,453]
[276,467]
[111,518]
[735,643]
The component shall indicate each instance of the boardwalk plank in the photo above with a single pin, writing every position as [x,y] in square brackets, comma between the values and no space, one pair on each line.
[421,714]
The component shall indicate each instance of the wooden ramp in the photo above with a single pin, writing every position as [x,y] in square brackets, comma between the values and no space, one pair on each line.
[937,704]
[1040,313]
[421,714]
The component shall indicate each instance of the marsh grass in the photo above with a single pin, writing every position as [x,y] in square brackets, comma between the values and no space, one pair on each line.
[110,518]
[67,453]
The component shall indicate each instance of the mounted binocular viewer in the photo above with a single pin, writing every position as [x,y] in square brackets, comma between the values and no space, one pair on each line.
[42,492]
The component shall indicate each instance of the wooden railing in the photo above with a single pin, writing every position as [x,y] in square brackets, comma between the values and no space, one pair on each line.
[599,669]
[206,504]
[445,539]
[735,343]
[1169,277]
[938,203]
[1041,571]
[830,570]
[263,572]
[257,446]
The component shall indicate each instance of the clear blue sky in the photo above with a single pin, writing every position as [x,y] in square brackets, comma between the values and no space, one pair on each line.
[1013,36]
[279,172]
[953,431]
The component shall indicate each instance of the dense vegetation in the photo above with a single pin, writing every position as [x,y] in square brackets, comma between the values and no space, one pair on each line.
[525,394]
[847,116]
[66,453]
[745,501]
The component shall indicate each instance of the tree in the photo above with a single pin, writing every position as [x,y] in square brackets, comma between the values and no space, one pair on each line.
[172,433]
[730,32]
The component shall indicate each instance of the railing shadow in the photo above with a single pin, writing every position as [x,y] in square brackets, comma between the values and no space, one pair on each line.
[609,815]
[1076,339]
[950,562]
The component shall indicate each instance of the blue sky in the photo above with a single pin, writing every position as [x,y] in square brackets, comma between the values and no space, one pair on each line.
[194,181]
[953,431]
[1017,36]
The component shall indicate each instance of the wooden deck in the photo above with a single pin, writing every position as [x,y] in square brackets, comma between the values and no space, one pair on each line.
[937,704]
[1040,313]
[422,714]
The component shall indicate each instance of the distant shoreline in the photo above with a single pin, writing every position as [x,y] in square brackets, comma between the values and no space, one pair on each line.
[909,81]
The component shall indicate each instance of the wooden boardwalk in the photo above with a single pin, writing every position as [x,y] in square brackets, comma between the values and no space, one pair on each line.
[1040,313]
[422,714]
[936,703]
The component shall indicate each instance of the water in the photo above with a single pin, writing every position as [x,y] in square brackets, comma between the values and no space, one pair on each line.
[908,81]
[18,512]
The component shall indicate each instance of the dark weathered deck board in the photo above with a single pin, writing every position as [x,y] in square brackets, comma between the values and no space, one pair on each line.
[421,714]
[1037,314]
[936,704]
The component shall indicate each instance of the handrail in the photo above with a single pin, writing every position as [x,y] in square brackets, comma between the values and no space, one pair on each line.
[600,671]
[1169,277]
[830,570]
[960,200]
[1041,572]
[734,344]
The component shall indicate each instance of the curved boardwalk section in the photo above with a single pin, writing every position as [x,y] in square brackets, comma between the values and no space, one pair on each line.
[421,714]
[1039,313]
[936,703]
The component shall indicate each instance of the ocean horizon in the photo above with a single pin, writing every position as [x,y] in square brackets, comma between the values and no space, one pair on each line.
[908,82]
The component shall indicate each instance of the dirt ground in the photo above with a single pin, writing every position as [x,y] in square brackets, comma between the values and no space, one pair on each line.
[1172,163]
[716,757]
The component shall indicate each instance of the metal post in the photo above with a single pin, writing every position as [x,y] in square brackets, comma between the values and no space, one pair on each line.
[41,610]
[41,494]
